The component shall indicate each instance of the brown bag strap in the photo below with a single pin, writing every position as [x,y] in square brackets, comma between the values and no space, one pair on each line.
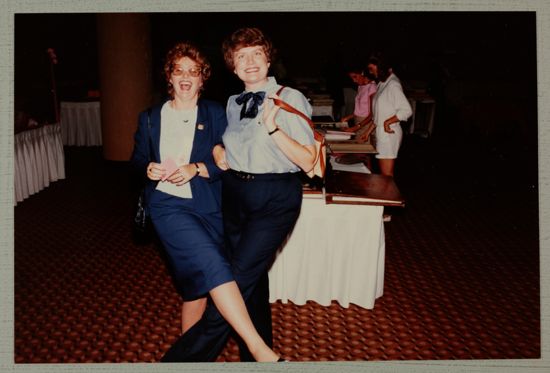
[318,137]
[285,106]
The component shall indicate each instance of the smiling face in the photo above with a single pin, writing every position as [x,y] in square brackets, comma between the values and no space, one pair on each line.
[186,79]
[251,66]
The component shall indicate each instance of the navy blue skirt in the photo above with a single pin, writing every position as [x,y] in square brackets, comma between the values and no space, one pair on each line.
[193,242]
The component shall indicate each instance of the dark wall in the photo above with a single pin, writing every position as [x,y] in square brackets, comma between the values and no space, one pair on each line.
[73,38]
[481,67]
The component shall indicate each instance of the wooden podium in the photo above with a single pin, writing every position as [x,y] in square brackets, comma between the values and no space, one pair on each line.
[354,188]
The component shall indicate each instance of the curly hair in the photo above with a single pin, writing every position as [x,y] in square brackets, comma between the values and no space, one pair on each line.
[246,37]
[185,49]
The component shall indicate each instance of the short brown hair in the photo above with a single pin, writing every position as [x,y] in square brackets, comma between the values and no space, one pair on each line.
[246,37]
[185,49]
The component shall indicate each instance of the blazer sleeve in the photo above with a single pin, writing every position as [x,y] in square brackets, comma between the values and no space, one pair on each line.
[219,123]
[140,154]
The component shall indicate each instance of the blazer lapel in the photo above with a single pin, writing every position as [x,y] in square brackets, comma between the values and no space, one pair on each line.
[155,132]
[201,128]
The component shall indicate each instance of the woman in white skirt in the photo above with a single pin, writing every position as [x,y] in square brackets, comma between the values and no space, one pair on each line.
[390,106]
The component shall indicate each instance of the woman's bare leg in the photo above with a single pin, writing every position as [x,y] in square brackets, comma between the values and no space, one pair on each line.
[386,166]
[229,301]
[191,312]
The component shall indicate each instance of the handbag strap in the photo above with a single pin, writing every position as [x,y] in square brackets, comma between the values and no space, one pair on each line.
[286,106]
[317,136]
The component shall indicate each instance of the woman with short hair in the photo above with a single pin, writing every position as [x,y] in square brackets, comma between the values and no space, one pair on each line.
[263,151]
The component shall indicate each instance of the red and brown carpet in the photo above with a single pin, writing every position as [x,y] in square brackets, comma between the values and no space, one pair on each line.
[462,271]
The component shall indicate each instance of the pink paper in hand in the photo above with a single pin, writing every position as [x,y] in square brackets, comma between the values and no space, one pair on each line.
[170,166]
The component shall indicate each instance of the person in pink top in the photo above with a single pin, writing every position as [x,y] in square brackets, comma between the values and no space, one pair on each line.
[362,113]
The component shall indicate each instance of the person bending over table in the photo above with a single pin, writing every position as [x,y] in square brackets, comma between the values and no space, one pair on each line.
[263,150]
[362,112]
[184,199]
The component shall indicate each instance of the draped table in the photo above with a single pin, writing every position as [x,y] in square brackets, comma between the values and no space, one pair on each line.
[81,123]
[335,252]
[39,160]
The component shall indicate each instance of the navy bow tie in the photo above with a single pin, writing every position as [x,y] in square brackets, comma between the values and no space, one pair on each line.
[251,110]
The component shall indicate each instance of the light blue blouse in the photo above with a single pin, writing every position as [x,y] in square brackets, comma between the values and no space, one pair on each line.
[248,146]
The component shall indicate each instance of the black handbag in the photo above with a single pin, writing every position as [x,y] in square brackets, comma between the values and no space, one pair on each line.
[143,231]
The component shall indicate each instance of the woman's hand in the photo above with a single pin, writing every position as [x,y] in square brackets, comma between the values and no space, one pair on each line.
[155,171]
[365,132]
[301,155]
[346,120]
[219,157]
[269,113]
[183,174]
[388,122]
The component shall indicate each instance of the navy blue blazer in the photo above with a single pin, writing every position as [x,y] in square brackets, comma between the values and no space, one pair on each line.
[210,126]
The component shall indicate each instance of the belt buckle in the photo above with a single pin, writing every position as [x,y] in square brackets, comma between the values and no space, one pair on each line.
[244,175]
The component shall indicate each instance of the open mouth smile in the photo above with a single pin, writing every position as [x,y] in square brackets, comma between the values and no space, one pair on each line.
[185,85]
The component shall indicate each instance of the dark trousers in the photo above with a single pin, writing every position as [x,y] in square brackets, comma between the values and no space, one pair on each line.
[258,213]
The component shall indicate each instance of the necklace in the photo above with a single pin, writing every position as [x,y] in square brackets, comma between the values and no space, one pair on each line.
[185,116]
[185,119]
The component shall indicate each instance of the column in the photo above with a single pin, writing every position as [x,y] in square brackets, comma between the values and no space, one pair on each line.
[124,48]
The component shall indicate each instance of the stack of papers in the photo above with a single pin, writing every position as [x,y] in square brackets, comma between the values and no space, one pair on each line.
[334,135]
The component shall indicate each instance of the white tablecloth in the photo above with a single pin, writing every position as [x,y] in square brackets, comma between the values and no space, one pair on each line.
[81,123]
[335,252]
[39,160]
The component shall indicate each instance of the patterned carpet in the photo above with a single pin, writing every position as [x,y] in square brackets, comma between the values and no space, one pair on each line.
[462,269]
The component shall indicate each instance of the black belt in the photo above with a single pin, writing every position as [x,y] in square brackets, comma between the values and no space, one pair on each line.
[250,177]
